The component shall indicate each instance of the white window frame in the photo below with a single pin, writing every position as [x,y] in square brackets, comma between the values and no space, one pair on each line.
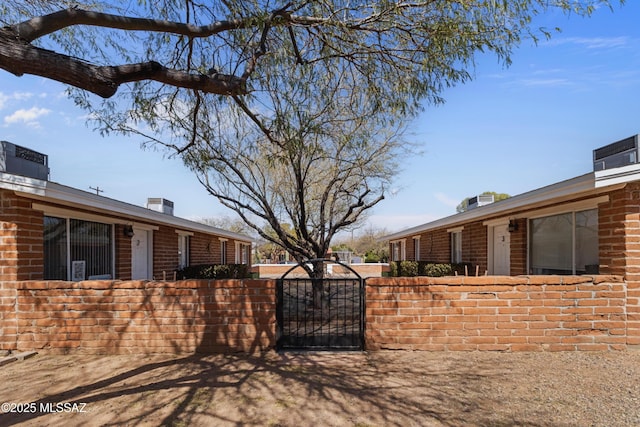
[243,249]
[416,248]
[402,250]
[223,250]
[456,244]
[184,252]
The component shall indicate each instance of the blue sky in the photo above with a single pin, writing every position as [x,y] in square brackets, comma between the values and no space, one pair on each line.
[509,130]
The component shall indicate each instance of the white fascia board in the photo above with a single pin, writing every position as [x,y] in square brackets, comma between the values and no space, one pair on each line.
[68,196]
[22,184]
[619,175]
[574,187]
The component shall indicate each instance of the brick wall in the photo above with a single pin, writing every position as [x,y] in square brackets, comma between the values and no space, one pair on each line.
[138,317]
[537,313]
[165,251]
[474,245]
[435,246]
[204,249]
[123,253]
[518,243]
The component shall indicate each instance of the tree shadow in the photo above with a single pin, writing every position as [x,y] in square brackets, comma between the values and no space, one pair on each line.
[384,388]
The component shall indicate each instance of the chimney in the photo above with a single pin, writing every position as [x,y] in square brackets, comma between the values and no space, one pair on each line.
[159,204]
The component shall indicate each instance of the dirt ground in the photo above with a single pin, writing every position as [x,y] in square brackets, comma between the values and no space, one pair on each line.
[387,388]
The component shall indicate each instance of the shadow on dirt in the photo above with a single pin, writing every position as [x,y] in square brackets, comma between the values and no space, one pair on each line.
[384,388]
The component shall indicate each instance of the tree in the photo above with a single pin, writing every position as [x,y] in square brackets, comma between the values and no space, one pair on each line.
[368,242]
[287,112]
[309,166]
[464,204]
[406,50]
[235,225]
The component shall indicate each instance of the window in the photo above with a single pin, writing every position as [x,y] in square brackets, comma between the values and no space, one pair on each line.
[564,244]
[243,253]
[70,242]
[398,250]
[456,247]
[223,251]
[416,248]
[183,250]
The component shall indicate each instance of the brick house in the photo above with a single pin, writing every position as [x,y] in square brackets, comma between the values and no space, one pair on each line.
[49,231]
[585,225]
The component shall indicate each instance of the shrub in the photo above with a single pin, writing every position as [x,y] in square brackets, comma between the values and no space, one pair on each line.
[214,271]
[436,270]
[408,269]
[393,269]
[371,257]
[427,268]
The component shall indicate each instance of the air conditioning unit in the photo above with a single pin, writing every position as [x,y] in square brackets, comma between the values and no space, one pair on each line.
[19,160]
[480,200]
[159,204]
[615,155]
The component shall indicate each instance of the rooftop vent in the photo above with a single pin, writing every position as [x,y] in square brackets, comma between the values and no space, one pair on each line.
[159,204]
[19,160]
[480,200]
[617,154]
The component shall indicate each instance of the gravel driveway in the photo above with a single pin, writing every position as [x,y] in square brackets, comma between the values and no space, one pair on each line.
[386,388]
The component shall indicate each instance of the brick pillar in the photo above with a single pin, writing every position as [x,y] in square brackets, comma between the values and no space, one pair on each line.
[8,316]
[619,238]
[21,239]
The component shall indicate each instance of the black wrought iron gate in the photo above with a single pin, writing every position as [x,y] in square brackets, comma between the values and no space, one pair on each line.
[321,314]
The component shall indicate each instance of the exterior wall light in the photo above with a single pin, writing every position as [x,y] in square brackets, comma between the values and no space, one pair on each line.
[513,225]
[128,230]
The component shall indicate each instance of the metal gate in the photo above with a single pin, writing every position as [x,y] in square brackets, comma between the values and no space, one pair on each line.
[320,314]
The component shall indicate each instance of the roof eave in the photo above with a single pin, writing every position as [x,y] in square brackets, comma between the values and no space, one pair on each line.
[58,193]
[573,187]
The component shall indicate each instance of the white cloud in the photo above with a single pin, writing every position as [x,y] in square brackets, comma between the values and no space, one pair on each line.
[15,96]
[3,100]
[546,82]
[594,42]
[394,223]
[447,200]
[29,117]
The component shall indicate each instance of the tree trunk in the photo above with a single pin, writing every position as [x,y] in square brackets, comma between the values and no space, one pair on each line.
[317,285]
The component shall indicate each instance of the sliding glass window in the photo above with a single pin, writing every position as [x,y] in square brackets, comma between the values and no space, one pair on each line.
[564,244]
[77,250]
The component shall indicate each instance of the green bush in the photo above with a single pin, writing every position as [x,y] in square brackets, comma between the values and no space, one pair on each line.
[408,269]
[371,257]
[214,271]
[393,269]
[427,268]
[436,270]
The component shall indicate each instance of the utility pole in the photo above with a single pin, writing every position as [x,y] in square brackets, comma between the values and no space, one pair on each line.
[97,190]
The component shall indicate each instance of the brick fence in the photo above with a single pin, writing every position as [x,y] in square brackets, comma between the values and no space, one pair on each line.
[536,313]
[138,316]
